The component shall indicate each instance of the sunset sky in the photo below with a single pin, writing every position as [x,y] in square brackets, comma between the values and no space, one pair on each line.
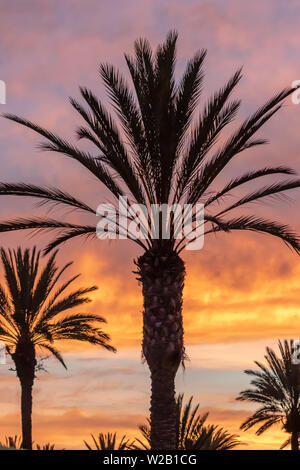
[242,290]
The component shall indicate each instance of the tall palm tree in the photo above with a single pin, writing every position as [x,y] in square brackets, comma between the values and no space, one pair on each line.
[276,388]
[161,157]
[191,431]
[109,442]
[33,316]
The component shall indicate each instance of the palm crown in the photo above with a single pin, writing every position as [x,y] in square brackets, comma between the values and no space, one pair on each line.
[33,307]
[276,387]
[159,156]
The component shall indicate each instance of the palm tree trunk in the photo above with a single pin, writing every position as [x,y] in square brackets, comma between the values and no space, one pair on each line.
[163,410]
[24,359]
[162,276]
[294,441]
[26,412]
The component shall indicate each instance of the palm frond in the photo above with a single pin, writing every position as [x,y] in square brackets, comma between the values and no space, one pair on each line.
[109,442]
[254,224]
[240,140]
[285,444]
[270,190]
[213,119]
[246,178]
[131,121]
[189,90]
[58,145]
[108,141]
[54,352]
[74,299]
[53,195]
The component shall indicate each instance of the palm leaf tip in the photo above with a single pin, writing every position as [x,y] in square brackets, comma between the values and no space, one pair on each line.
[251,223]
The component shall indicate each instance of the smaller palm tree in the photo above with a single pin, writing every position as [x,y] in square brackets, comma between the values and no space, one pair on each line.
[191,431]
[109,442]
[276,388]
[15,443]
[47,446]
[12,442]
[32,316]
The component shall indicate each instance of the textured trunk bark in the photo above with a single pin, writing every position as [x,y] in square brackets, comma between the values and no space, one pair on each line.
[26,411]
[294,441]
[162,275]
[163,411]
[24,358]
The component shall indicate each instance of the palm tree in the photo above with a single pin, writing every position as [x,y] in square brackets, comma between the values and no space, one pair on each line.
[47,446]
[159,158]
[12,442]
[276,387]
[31,317]
[15,442]
[191,431]
[109,442]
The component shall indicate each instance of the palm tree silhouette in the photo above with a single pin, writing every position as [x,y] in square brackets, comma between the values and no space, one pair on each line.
[109,442]
[192,432]
[12,442]
[32,317]
[276,387]
[161,157]
[15,442]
